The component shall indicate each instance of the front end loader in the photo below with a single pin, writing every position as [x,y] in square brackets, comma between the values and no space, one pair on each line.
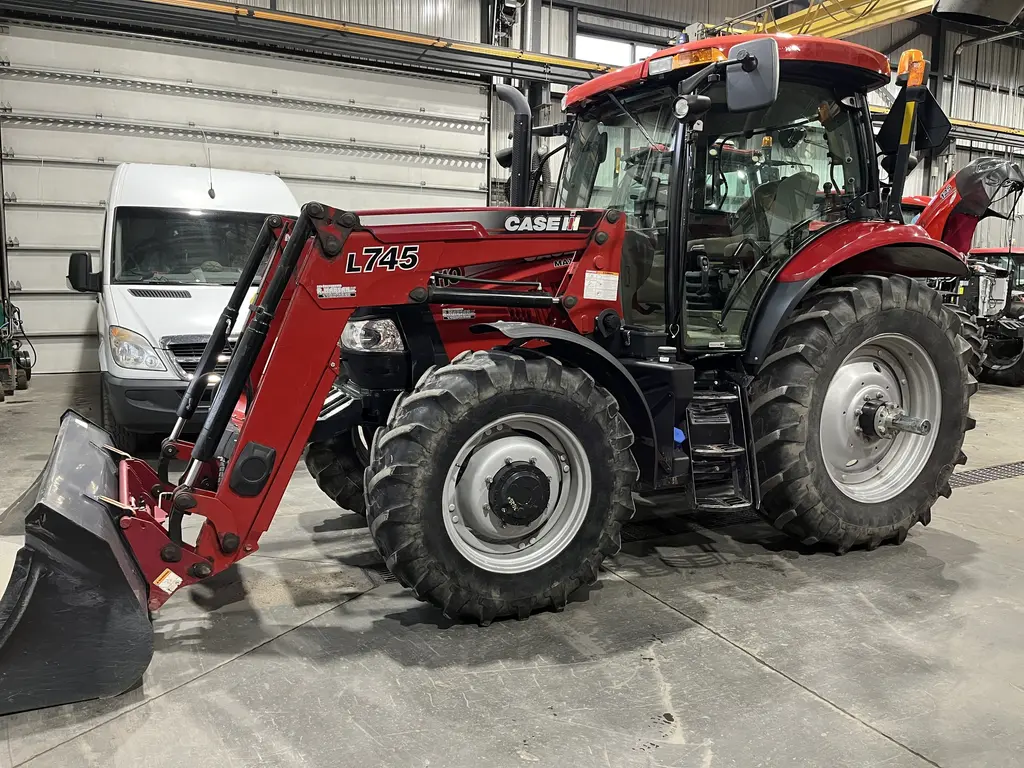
[676,325]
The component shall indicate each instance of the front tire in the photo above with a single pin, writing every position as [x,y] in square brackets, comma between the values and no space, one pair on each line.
[500,484]
[124,439]
[21,379]
[867,333]
[337,465]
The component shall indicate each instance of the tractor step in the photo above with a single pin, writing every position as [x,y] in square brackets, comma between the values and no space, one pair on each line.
[717,451]
[715,397]
[719,464]
[723,504]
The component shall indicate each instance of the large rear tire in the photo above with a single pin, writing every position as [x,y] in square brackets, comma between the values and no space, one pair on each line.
[975,336]
[337,465]
[500,484]
[823,480]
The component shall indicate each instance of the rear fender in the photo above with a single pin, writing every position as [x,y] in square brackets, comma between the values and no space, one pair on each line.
[875,246]
[880,248]
[584,353]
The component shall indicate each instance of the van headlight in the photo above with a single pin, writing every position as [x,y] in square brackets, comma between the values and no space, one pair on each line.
[130,350]
[379,335]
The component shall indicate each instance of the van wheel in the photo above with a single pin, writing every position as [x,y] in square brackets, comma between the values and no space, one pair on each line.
[123,439]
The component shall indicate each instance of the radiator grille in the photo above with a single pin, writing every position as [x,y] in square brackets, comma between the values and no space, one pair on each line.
[187,354]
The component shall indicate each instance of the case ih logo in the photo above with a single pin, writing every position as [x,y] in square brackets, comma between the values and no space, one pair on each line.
[570,223]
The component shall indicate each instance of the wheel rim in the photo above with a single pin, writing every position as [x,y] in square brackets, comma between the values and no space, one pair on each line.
[536,447]
[1003,353]
[891,369]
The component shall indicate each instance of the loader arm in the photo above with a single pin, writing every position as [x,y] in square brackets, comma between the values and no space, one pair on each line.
[336,262]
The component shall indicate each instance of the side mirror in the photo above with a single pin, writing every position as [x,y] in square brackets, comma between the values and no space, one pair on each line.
[80,274]
[753,82]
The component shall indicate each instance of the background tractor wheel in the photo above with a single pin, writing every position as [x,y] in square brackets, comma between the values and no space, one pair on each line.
[974,336]
[21,379]
[123,439]
[1004,363]
[500,484]
[866,342]
[337,466]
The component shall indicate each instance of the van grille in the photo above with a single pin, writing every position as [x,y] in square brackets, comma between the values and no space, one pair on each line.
[187,354]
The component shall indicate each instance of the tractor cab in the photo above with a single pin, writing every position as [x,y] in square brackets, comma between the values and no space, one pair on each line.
[724,173]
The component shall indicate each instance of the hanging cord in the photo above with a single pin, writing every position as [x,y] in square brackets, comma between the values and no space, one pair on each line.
[209,165]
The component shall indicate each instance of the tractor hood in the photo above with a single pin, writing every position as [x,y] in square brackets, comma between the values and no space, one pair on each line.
[953,215]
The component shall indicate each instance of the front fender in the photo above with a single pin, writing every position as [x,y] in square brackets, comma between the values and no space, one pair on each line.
[607,371]
[875,246]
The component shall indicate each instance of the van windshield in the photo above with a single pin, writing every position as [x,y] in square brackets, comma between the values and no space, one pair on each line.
[172,246]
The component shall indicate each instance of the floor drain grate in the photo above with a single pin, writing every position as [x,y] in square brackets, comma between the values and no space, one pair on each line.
[987,474]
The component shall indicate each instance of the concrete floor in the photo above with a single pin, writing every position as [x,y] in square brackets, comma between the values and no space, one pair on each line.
[717,644]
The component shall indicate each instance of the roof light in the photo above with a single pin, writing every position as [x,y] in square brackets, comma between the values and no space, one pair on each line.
[665,64]
[660,66]
[912,67]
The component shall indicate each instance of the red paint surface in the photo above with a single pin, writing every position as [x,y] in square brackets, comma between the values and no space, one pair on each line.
[854,239]
[791,48]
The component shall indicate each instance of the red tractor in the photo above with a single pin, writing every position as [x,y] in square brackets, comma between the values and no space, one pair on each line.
[523,373]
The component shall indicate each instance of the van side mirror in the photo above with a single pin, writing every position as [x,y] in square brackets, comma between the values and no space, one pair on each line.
[752,82]
[80,274]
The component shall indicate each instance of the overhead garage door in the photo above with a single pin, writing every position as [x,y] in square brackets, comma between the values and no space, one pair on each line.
[76,103]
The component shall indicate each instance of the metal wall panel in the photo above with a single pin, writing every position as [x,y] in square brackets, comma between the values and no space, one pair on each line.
[885,39]
[455,19]
[630,27]
[1000,66]
[81,103]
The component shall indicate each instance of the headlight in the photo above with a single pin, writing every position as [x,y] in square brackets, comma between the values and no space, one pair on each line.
[130,350]
[372,336]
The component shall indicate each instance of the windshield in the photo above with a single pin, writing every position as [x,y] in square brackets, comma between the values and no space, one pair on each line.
[169,246]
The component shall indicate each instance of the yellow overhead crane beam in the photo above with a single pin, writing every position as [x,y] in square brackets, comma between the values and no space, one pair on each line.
[329,25]
[832,18]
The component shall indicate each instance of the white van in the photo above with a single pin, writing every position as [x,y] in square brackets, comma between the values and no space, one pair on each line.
[174,241]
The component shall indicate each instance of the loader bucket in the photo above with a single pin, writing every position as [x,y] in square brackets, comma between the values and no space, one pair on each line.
[74,622]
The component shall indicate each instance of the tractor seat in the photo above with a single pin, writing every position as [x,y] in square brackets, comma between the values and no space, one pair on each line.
[791,203]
